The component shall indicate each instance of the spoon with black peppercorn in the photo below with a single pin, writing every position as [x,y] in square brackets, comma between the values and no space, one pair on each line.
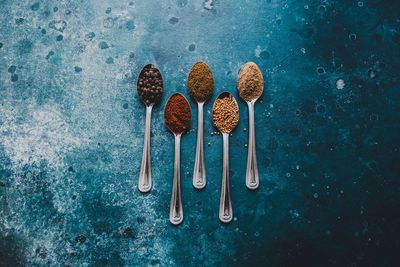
[201,88]
[250,85]
[225,118]
[150,90]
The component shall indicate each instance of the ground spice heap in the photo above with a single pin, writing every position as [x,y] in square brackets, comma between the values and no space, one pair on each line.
[150,85]
[200,82]
[177,114]
[250,82]
[225,114]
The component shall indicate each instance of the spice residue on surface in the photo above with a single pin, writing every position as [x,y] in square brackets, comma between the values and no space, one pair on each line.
[250,82]
[200,82]
[150,85]
[225,114]
[177,114]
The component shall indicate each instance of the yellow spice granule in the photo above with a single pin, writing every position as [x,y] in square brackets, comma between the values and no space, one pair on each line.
[225,114]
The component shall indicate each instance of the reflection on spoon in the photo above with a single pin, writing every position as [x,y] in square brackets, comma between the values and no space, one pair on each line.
[225,118]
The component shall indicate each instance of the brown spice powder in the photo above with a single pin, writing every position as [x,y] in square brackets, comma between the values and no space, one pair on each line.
[225,114]
[200,82]
[250,82]
[177,114]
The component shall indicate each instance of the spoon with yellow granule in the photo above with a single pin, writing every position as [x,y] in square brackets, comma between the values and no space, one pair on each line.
[250,86]
[225,117]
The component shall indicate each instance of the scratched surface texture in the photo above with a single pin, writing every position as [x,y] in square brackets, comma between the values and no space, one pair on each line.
[72,126]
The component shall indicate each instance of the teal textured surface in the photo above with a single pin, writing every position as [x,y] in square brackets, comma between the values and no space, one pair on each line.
[72,128]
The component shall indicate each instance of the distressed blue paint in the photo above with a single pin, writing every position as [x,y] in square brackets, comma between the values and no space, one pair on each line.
[71,133]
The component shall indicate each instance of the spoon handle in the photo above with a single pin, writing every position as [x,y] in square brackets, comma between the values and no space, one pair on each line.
[199,173]
[145,182]
[225,204]
[252,179]
[176,210]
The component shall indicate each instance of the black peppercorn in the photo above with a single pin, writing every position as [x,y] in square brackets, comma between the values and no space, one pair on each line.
[150,85]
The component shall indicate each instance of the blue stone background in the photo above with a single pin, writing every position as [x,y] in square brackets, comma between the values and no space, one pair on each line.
[71,133]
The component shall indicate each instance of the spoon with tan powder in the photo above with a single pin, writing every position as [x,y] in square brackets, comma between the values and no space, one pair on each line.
[225,118]
[250,85]
[201,88]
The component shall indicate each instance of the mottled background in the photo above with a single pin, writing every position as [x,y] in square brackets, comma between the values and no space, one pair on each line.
[71,133]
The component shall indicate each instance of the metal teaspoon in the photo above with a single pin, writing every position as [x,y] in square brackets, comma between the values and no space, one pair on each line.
[225,205]
[176,209]
[203,81]
[150,90]
[250,94]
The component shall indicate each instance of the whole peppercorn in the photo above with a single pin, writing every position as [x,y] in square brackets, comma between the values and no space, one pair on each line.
[150,85]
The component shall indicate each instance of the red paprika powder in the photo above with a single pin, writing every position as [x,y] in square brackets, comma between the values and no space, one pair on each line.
[177,114]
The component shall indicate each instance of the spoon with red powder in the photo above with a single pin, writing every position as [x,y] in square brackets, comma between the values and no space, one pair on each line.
[178,116]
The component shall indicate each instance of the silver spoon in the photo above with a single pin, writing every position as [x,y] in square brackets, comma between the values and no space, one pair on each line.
[206,83]
[225,204]
[250,94]
[176,209]
[150,90]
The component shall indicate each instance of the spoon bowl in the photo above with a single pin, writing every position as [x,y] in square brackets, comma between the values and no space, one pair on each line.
[250,82]
[220,126]
[150,85]
[200,82]
[171,114]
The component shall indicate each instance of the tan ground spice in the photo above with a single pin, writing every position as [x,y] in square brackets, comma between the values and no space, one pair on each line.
[250,82]
[225,114]
[200,82]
